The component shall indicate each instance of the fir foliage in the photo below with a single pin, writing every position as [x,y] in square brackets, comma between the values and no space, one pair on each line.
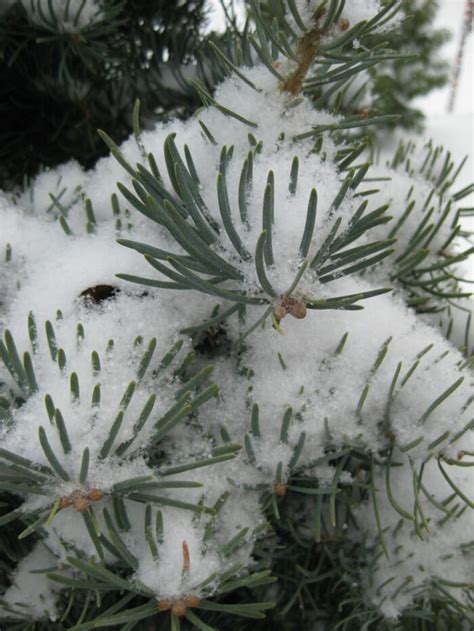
[316,474]
[60,83]
[395,84]
[389,87]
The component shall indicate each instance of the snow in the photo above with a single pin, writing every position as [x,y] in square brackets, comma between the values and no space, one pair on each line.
[68,15]
[454,132]
[217,18]
[382,390]
[354,12]
[357,11]
[451,16]
[332,390]
[32,595]
[417,565]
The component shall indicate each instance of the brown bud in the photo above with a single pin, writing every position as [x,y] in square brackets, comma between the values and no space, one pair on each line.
[65,502]
[95,495]
[192,601]
[297,310]
[280,488]
[279,312]
[164,604]
[179,608]
[81,504]
[343,24]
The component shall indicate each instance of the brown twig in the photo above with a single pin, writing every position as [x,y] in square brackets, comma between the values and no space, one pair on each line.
[307,51]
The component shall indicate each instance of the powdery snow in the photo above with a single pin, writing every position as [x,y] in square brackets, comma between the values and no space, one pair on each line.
[67,15]
[369,380]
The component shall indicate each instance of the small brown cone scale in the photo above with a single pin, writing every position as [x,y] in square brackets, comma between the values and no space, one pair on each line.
[179,606]
[95,495]
[280,489]
[81,499]
[192,601]
[65,502]
[297,310]
[343,24]
[279,312]
[291,306]
[81,504]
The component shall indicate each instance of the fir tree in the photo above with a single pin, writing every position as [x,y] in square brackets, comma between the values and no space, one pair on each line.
[70,67]
[390,87]
[396,84]
[221,406]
